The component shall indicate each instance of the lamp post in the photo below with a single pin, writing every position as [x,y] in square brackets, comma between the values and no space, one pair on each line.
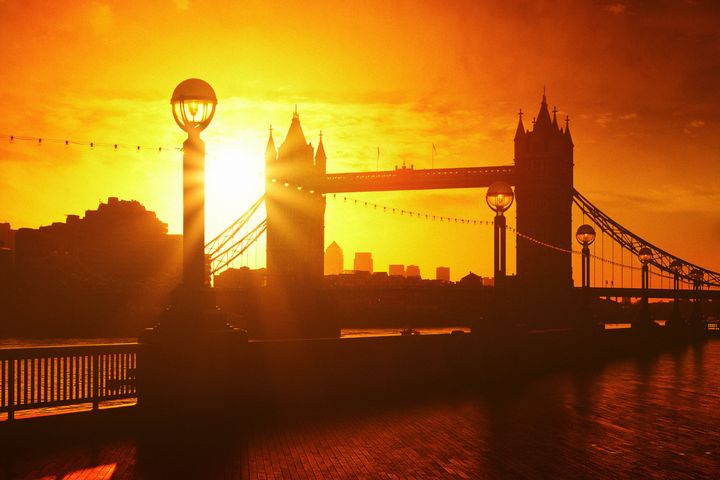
[585,235]
[696,318]
[676,318]
[193,106]
[645,255]
[697,276]
[499,198]
[675,267]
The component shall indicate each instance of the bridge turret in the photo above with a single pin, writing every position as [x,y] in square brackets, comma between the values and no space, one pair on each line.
[295,229]
[542,121]
[320,157]
[544,186]
[568,137]
[520,131]
[270,150]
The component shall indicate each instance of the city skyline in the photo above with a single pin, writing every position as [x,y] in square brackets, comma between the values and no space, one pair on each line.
[643,140]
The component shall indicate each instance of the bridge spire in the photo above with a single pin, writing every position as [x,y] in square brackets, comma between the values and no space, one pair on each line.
[554,121]
[567,130]
[520,131]
[543,116]
[295,143]
[320,157]
[270,150]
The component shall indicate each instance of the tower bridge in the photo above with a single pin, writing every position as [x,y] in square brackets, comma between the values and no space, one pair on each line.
[542,176]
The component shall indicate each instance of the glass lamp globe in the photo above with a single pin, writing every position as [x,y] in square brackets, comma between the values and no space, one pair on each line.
[696,274]
[675,266]
[585,235]
[499,197]
[193,104]
[645,255]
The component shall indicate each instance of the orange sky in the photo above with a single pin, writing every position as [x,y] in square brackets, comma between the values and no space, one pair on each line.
[640,82]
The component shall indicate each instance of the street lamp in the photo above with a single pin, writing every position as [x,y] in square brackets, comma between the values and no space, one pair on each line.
[697,276]
[645,255]
[676,318]
[696,319]
[585,235]
[499,198]
[675,267]
[193,106]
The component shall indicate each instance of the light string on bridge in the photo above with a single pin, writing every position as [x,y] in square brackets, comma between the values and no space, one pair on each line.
[40,141]
[445,219]
[468,221]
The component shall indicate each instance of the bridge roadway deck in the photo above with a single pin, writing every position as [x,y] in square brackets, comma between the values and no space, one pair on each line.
[416,179]
[652,293]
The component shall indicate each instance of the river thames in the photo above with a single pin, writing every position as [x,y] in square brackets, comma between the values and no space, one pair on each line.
[656,417]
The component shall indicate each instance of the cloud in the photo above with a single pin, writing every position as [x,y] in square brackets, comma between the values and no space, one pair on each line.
[697,124]
[182,4]
[603,119]
[616,8]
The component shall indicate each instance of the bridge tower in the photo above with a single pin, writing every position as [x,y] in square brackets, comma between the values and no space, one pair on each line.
[295,228]
[544,190]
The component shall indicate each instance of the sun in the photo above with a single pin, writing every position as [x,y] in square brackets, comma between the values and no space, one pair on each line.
[234,179]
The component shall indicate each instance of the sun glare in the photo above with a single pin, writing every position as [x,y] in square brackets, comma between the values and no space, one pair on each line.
[234,179]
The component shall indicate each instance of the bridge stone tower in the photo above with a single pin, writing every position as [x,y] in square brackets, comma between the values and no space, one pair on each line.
[295,231]
[295,213]
[544,189]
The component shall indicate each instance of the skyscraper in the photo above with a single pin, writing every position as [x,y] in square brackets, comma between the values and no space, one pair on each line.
[396,270]
[412,271]
[442,274]
[334,262]
[363,262]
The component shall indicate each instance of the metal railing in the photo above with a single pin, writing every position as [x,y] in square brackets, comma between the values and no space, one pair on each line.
[41,377]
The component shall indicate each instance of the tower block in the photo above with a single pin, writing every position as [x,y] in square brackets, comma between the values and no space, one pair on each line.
[544,190]
[295,235]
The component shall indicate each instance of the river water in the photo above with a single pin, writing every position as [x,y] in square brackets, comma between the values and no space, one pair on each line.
[345,333]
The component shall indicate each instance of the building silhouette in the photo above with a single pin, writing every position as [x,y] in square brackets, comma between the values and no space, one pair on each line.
[363,262]
[471,279]
[396,270]
[412,271]
[7,236]
[118,244]
[334,261]
[242,277]
[442,274]
[544,190]
[108,273]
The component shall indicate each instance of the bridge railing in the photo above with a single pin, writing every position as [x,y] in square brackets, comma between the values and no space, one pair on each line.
[41,377]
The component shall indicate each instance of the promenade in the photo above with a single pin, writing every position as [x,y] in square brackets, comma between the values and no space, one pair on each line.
[651,418]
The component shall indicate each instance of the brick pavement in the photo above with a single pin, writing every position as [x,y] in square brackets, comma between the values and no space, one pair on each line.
[560,427]
[417,442]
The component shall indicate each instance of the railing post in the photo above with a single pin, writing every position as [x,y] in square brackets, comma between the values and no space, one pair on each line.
[11,389]
[96,381]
